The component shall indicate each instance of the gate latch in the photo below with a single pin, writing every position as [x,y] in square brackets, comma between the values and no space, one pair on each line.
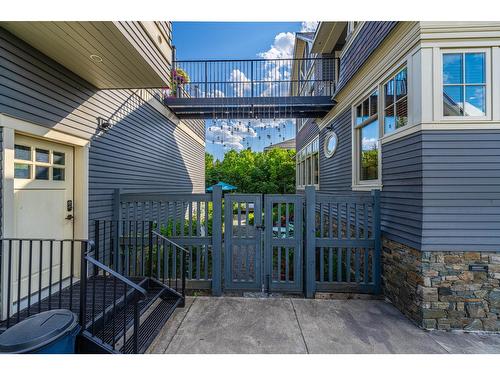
[262,227]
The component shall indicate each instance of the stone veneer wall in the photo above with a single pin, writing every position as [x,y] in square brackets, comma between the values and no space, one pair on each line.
[437,290]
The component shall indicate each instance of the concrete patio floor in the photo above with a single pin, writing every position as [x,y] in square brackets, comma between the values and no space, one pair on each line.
[290,325]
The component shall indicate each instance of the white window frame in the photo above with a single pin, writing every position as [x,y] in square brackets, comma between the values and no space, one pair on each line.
[302,169]
[357,183]
[393,75]
[439,86]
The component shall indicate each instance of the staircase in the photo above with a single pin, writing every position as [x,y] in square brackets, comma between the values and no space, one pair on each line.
[133,283]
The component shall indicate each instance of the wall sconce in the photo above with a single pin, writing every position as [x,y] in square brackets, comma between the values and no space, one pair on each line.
[103,124]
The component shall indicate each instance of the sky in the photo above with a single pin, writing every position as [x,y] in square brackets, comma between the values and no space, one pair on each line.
[239,40]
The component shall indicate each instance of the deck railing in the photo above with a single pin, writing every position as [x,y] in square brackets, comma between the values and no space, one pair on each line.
[255,78]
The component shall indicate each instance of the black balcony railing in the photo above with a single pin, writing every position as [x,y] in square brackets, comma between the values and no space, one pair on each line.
[258,88]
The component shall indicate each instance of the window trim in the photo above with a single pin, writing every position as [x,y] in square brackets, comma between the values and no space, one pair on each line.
[440,82]
[357,183]
[393,75]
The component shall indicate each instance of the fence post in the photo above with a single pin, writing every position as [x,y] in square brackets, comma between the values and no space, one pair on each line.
[117,231]
[377,236]
[217,241]
[310,250]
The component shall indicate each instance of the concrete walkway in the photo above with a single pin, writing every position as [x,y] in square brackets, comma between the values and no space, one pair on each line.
[286,325]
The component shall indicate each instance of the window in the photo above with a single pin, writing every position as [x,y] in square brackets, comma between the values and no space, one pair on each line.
[464,84]
[308,165]
[330,146]
[396,102]
[38,164]
[367,138]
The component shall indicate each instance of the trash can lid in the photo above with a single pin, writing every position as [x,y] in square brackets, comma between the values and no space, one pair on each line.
[37,331]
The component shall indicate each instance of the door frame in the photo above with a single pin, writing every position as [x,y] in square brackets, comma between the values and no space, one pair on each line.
[12,126]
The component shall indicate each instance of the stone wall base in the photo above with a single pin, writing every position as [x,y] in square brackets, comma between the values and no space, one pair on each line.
[438,290]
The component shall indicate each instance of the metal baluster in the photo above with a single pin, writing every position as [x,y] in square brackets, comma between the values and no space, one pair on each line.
[50,273]
[19,278]
[136,327]
[113,341]
[9,283]
[40,259]
[30,275]
[61,259]
[72,274]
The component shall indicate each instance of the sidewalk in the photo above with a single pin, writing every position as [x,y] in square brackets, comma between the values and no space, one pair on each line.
[286,325]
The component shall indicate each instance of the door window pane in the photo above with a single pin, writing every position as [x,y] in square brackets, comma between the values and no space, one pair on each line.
[22,152]
[475,101]
[22,171]
[452,68]
[58,174]
[42,156]
[475,68]
[41,173]
[59,158]
[369,151]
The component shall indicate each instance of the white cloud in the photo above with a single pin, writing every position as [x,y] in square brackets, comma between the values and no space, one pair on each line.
[282,47]
[369,143]
[216,94]
[241,82]
[308,26]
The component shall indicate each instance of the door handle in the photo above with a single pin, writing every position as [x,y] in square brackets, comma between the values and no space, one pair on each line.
[69,217]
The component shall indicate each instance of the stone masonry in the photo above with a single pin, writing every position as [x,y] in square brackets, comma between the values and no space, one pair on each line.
[438,291]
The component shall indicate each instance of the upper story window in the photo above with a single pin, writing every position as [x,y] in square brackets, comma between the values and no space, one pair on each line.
[464,84]
[351,26]
[396,102]
[367,134]
[308,164]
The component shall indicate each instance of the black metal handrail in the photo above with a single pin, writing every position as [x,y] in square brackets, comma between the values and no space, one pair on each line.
[170,241]
[115,294]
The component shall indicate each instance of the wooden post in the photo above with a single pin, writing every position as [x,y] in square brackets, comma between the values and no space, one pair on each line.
[377,236]
[217,241]
[310,241]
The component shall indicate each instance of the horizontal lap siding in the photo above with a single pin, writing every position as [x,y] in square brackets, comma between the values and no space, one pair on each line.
[1,180]
[401,196]
[461,190]
[142,151]
[306,134]
[365,43]
[335,172]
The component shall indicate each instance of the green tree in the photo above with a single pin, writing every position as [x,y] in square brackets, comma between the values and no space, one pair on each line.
[254,172]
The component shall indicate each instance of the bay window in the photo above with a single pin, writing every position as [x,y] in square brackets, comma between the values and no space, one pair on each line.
[464,84]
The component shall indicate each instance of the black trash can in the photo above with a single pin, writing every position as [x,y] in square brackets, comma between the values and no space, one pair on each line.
[50,332]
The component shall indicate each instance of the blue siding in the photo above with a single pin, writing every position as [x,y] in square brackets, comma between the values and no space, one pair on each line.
[401,196]
[335,172]
[140,152]
[461,190]
[308,132]
[366,42]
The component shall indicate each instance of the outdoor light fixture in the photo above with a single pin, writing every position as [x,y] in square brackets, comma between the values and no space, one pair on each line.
[96,58]
[103,124]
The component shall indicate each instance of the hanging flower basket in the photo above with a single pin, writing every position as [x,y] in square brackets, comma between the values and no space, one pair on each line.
[180,77]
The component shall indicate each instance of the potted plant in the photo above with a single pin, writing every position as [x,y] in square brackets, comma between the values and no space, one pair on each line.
[179,78]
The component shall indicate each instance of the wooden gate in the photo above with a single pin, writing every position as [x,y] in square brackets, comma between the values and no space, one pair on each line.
[283,242]
[243,242]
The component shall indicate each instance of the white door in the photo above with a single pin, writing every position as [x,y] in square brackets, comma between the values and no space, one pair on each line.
[43,194]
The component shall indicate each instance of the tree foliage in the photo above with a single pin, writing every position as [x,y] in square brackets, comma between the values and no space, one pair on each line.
[267,172]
